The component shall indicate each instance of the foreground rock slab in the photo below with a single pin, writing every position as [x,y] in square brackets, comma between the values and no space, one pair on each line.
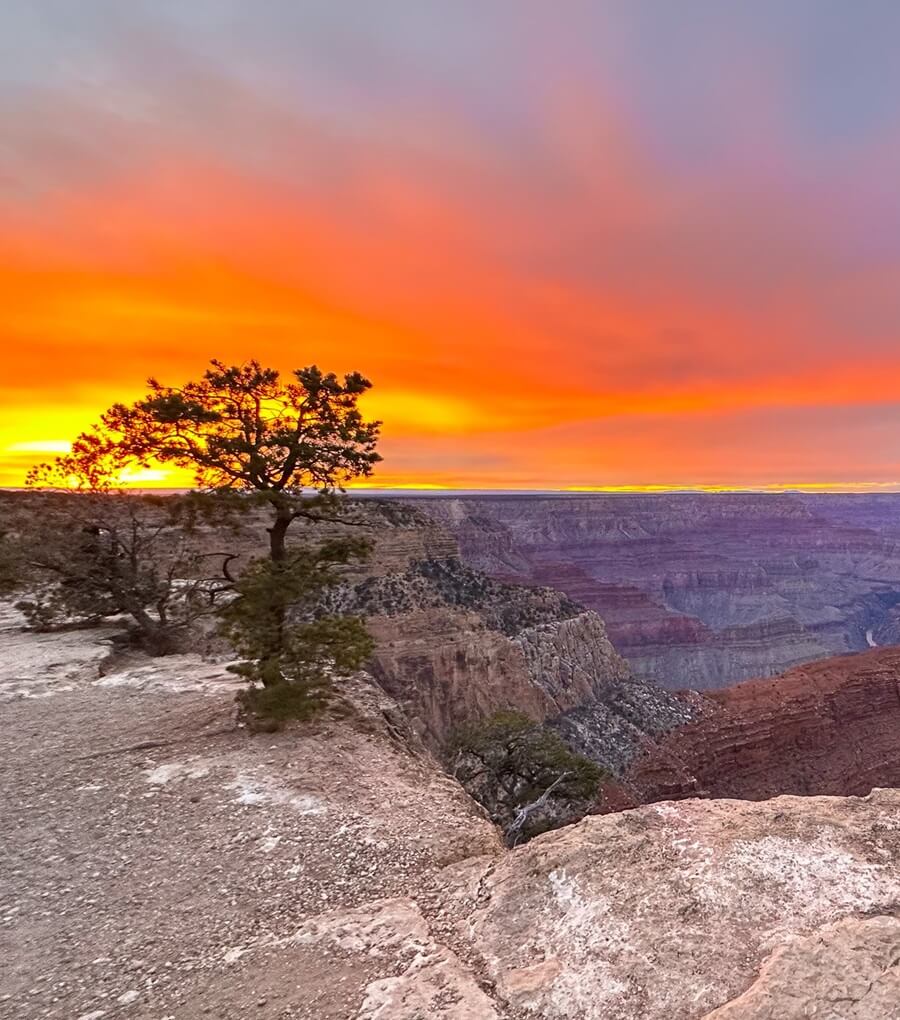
[843,971]
[429,979]
[674,910]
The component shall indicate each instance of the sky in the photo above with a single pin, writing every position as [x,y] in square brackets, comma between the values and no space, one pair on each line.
[574,244]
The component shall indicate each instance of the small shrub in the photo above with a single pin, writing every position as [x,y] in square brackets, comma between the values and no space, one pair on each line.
[270,707]
[80,557]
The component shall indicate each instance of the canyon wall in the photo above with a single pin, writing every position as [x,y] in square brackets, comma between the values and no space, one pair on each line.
[454,646]
[700,590]
[827,728]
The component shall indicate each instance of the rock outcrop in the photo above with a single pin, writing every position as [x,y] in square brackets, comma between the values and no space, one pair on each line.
[160,861]
[786,909]
[830,727]
[455,646]
[699,591]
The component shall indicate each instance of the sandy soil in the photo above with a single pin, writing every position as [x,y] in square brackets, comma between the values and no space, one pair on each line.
[159,862]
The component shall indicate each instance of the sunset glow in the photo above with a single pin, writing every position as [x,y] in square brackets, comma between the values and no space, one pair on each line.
[574,246]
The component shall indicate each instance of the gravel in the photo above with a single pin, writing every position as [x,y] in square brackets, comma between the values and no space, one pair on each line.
[157,859]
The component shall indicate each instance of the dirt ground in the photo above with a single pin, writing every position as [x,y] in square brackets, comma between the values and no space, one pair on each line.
[159,862]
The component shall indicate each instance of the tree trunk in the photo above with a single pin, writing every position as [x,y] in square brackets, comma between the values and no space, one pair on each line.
[277,532]
[278,554]
[513,832]
[156,638]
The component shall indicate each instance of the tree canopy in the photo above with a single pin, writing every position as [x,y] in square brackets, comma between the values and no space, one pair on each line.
[239,428]
[243,427]
[524,774]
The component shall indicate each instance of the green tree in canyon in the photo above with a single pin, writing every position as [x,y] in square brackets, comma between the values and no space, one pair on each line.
[524,774]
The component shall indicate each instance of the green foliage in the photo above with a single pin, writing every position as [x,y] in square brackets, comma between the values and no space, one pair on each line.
[243,431]
[524,774]
[276,625]
[250,437]
[81,556]
[269,708]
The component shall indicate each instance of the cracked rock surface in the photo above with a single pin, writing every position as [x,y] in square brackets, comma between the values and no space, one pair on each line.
[844,971]
[673,910]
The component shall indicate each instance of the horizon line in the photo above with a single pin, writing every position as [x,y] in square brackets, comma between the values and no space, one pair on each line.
[801,488]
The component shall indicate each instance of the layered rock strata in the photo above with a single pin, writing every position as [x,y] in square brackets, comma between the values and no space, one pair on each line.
[701,590]
[454,646]
[830,727]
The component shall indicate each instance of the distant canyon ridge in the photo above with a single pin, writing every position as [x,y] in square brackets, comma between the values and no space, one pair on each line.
[700,590]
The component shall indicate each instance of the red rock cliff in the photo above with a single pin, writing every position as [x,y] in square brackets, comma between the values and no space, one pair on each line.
[827,728]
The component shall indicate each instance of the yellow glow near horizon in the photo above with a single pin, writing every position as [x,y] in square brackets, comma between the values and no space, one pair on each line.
[54,446]
[30,452]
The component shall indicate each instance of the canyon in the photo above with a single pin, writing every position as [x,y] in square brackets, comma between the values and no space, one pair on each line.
[698,591]
[827,728]
[454,645]
[336,870]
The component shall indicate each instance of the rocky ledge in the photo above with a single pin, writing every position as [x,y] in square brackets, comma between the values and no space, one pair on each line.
[716,910]
[160,861]
[830,727]
[720,909]
[455,646]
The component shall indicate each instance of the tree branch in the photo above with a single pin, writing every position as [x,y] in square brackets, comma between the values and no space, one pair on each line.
[512,833]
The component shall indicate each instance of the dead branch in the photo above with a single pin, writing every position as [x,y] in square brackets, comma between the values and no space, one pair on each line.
[523,813]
